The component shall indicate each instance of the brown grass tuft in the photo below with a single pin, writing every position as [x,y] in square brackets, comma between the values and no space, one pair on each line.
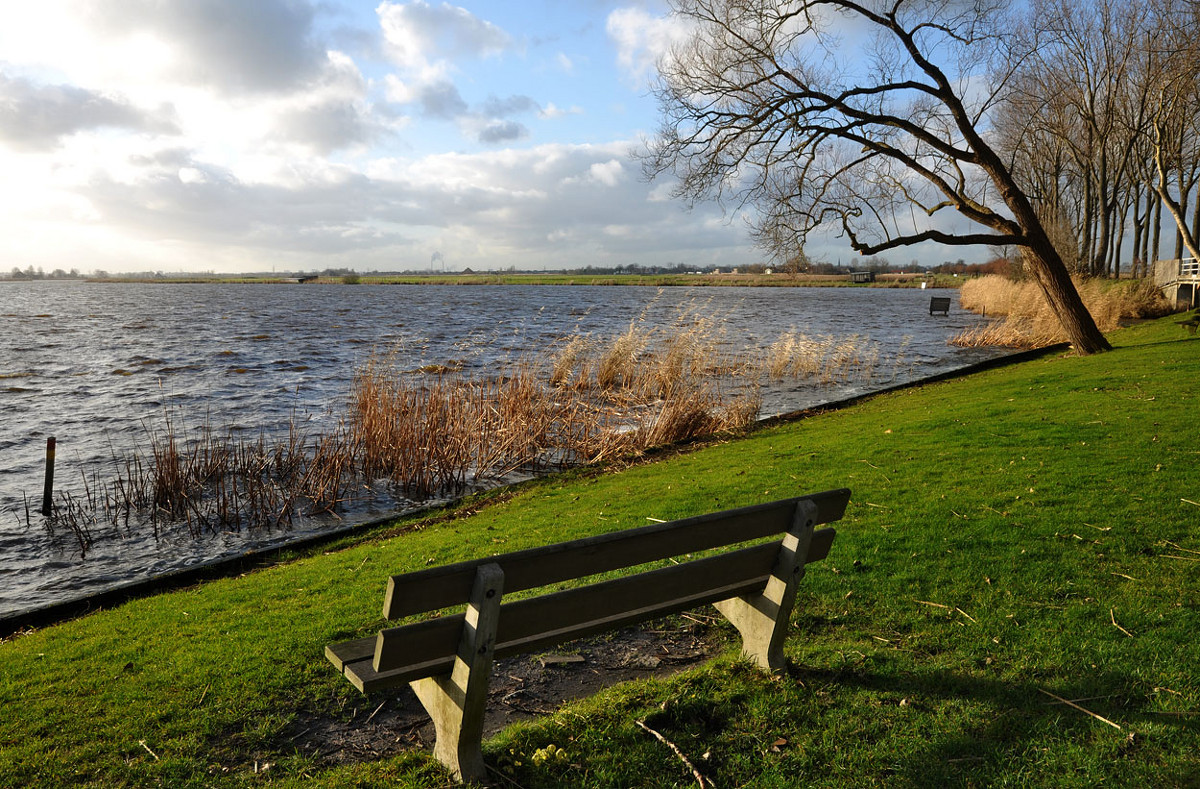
[1029,321]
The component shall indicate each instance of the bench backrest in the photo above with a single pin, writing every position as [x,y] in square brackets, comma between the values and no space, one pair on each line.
[429,647]
[450,585]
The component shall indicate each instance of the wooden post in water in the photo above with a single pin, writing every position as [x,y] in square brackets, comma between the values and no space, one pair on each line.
[48,492]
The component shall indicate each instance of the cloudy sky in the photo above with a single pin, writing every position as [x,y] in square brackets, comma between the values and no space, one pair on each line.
[229,135]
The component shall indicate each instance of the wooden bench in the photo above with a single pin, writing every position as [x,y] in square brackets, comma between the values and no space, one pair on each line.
[939,304]
[448,659]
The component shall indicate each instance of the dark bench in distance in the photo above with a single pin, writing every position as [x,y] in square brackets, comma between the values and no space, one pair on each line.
[939,304]
[448,660]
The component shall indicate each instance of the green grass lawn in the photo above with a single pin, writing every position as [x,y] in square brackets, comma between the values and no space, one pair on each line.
[1017,533]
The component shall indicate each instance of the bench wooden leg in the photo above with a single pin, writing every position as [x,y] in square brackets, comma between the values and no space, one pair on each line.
[762,619]
[456,702]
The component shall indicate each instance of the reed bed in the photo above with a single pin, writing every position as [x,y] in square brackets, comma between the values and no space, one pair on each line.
[1028,322]
[826,359]
[435,431]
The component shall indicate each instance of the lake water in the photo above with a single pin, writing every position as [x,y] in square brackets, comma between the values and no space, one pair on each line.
[95,364]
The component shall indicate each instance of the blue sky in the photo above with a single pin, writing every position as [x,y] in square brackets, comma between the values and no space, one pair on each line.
[231,136]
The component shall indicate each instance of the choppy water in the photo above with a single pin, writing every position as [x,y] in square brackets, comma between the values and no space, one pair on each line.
[95,364]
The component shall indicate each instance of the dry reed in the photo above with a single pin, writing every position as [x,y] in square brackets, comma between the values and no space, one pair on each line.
[826,360]
[1029,322]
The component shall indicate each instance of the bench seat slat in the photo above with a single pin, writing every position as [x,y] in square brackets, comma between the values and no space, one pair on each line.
[363,675]
[449,585]
[350,651]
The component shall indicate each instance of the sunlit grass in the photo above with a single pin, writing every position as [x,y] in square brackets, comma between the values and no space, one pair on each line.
[1020,532]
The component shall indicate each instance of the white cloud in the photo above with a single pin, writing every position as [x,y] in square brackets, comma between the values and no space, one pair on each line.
[642,39]
[545,206]
[229,46]
[143,135]
[552,111]
[419,34]
[37,117]
[430,44]
[607,173]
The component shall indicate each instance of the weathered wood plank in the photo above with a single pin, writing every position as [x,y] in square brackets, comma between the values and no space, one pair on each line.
[363,675]
[456,701]
[441,587]
[763,616]
[351,651]
[573,613]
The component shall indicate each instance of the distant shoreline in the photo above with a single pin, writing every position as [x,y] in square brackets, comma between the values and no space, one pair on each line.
[634,280]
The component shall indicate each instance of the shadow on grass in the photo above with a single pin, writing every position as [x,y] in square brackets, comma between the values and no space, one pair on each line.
[979,731]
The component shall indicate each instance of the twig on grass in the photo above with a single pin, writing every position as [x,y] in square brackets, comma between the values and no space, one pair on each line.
[1081,709]
[695,773]
[1180,547]
[372,715]
[1189,501]
[1112,616]
[946,608]
[147,747]
[872,465]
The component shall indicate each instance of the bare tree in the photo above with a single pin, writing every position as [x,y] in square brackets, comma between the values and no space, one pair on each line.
[1080,88]
[1176,114]
[857,115]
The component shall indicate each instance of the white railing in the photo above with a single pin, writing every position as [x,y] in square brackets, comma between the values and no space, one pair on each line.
[1189,267]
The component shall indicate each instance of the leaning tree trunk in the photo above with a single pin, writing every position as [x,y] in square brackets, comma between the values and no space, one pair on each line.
[1062,296]
[1042,258]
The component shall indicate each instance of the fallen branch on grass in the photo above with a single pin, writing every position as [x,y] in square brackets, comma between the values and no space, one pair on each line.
[1180,547]
[1113,617]
[1081,709]
[695,773]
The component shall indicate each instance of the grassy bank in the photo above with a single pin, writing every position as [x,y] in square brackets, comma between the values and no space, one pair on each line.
[1019,533]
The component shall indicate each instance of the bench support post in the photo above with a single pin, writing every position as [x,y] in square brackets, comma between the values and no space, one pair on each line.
[456,702]
[762,619]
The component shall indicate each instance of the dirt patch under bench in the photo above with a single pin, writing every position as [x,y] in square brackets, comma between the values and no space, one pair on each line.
[521,687]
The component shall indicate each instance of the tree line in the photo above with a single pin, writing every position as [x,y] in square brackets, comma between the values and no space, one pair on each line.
[1101,121]
[30,273]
